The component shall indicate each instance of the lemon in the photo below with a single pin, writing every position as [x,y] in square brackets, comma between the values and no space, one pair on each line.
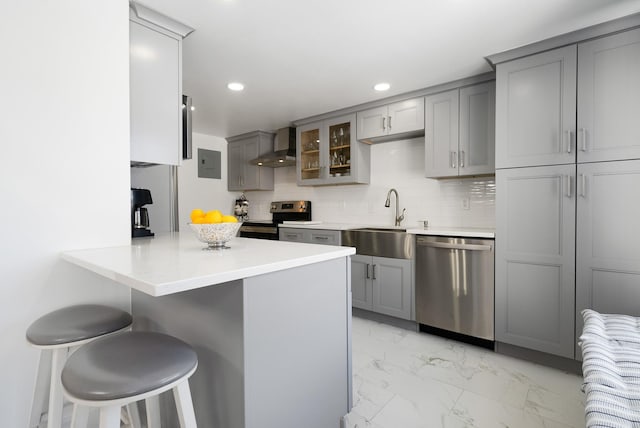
[198,220]
[196,214]
[229,219]
[214,216]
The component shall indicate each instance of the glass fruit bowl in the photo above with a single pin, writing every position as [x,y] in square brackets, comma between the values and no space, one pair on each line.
[215,235]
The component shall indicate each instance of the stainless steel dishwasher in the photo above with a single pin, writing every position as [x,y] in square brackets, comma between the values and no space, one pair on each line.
[455,285]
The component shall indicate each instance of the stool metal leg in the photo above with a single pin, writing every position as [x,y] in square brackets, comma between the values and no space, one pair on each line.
[54,417]
[184,405]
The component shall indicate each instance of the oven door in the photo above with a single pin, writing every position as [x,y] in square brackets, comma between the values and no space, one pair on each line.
[259,231]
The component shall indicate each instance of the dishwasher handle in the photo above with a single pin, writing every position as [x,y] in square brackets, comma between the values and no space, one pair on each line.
[471,247]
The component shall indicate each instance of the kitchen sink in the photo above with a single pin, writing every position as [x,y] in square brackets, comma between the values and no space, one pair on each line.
[392,242]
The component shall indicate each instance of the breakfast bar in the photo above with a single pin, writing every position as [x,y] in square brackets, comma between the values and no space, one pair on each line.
[270,321]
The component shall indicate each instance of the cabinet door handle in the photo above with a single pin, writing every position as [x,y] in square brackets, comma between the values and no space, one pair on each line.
[583,186]
[367,273]
[461,159]
[454,155]
[583,139]
[568,185]
[389,123]
[384,127]
[321,238]
[567,134]
[374,272]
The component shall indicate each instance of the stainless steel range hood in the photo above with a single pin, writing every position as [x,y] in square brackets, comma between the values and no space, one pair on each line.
[284,150]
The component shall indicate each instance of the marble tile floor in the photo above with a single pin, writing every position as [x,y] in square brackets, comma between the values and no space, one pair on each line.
[404,379]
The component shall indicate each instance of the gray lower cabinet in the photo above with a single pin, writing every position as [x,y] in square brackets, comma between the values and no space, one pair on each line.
[383,285]
[535,258]
[310,236]
[459,132]
[608,239]
[241,149]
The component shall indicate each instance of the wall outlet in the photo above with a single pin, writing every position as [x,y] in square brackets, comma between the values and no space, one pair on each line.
[466,202]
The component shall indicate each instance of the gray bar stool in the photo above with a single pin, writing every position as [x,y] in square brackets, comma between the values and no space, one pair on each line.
[57,333]
[118,370]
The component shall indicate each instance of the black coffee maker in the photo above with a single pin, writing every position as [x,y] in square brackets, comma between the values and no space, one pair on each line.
[139,215]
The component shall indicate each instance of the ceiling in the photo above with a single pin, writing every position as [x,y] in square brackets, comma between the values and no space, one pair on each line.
[300,58]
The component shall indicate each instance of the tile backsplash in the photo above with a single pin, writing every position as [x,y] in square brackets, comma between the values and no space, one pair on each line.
[455,202]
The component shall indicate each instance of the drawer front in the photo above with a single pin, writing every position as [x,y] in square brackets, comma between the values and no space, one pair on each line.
[293,235]
[326,237]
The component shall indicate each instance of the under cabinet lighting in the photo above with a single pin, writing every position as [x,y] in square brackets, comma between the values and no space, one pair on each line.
[382,87]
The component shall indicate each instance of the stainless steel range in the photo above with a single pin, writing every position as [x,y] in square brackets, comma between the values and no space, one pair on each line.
[281,211]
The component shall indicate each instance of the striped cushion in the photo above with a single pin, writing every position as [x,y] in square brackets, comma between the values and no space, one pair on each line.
[608,407]
[611,370]
[623,330]
[616,367]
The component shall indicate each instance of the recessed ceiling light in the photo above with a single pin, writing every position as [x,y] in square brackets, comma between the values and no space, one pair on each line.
[382,87]
[235,86]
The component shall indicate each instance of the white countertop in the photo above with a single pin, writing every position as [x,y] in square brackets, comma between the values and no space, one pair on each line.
[171,263]
[324,226]
[469,232]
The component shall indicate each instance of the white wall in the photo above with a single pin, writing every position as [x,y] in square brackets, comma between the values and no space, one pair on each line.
[64,131]
[399,165]
[204,193]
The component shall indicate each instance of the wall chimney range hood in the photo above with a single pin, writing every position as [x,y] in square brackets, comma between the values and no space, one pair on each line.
[284,150]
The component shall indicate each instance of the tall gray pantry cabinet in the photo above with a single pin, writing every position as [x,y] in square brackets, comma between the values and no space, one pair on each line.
[568,174]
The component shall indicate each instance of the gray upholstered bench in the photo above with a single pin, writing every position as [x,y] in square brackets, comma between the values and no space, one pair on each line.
[611,369]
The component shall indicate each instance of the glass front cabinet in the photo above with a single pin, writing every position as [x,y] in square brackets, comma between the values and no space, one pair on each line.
[328,153]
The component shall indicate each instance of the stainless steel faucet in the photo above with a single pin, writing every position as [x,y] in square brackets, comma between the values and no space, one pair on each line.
[387,204]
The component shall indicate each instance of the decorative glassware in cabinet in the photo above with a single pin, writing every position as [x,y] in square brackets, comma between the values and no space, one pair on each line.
[340,149]
[310,154]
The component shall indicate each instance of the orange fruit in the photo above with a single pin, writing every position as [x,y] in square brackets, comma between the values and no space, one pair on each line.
[229,219]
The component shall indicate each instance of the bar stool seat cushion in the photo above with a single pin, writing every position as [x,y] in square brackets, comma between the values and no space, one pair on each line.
[76,323]
[126,365]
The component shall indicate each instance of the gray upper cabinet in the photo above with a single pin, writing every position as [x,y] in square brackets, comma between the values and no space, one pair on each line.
[156,95]
[441,134]
[459,132]
[536,110]
[608,239]
[328,153]
[477,129]
[403,119]
[241,174]
[609,98]
[535,258]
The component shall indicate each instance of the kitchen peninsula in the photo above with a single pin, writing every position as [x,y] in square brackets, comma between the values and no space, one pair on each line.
[270,321]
